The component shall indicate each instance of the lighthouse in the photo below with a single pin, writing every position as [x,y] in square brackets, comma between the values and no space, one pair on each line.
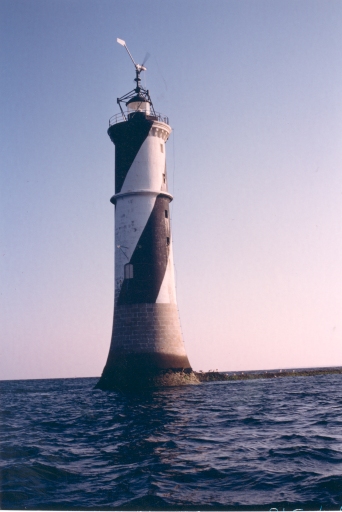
[147,346]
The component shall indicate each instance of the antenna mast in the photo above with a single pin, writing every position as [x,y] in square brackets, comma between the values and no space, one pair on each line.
[139,90]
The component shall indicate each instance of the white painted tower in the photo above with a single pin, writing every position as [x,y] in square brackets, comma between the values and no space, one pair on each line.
[147,340]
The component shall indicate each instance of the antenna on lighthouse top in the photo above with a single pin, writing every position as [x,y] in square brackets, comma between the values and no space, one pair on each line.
[143,95]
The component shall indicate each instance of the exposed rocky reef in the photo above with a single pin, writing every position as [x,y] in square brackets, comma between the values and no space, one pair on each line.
[140,381]
[212,376]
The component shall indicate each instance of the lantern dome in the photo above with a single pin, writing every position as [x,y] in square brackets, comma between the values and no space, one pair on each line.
[138,103]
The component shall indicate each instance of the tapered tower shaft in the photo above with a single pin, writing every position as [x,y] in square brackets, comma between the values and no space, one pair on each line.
[146,338]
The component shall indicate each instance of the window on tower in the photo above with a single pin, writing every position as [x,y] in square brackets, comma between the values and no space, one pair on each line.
[167,240]
[128,271]
[166,214]
[162,148]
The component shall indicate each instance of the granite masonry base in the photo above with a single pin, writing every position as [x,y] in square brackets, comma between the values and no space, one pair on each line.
[147,349]
[147,328]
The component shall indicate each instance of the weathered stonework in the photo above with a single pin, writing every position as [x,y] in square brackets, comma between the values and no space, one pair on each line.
[146,343]
[151,328]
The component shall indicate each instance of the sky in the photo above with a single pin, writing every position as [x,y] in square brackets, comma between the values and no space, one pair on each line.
[253,91]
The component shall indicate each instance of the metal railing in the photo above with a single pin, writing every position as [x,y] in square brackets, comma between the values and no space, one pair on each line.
[121,117]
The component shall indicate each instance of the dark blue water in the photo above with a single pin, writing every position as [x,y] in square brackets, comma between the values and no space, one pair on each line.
[229,445]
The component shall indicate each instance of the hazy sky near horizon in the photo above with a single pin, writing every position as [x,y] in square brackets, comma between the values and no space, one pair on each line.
[253,91]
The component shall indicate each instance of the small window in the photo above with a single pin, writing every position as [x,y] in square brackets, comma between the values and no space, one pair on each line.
[129,271]
[162,148]
[166,214]
[167,240]
[164,177]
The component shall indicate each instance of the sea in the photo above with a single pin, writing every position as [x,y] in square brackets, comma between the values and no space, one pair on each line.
[238,445]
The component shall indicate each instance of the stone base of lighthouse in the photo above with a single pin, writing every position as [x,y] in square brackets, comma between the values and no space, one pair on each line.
[147,349]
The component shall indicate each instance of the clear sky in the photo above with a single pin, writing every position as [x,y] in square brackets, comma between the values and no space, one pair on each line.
[253,90]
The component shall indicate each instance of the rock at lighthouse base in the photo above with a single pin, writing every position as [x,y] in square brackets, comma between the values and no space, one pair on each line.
[176,378]
[142,380]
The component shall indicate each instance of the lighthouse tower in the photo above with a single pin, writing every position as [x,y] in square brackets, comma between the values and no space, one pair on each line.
[147,345]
